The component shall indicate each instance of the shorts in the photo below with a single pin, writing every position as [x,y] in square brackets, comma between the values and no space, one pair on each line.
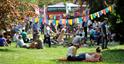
[91,37]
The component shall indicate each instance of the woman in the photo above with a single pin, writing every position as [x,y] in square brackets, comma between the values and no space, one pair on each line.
[60,39]
[71,53]
[91,57]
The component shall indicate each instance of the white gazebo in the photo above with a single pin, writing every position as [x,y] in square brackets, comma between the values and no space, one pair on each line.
[65,7]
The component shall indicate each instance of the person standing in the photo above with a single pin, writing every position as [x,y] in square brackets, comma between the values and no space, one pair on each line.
[104,34]
[35,30]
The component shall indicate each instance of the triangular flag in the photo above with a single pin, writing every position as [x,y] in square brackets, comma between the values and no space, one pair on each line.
[54,17]
[104,12]
[50,21]
[57,22]
[94,15]
[54,22]
[98,14]
[40,20]
[70,21]
[64,21]
[110,8]
[37,19]
[107,10]
[50,16]
[60,22]
[91,16]
[73,21]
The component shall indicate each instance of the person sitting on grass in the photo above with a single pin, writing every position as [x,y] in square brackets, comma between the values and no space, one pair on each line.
[38,44]
[77,40]
[71,53]
[21,43]
[3,41]
[24,36]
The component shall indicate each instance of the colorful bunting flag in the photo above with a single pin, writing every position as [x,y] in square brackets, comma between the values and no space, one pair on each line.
[40,20]
[107,10]
[54,17]
[54,22]
[70,21]
[94,16]
[85,17]
[57,22]
[104,11]
[36,19]
[98,14]
[91,16]
[64,21]
[110,8]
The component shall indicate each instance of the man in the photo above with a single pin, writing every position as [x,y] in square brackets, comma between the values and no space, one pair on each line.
[77,40]
[104,34]
[24,36]
[47,32]
[35,30]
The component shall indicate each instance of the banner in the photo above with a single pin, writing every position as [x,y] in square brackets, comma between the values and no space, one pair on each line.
[78,20]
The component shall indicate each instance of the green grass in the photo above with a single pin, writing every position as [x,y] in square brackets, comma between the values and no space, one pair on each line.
[12,55]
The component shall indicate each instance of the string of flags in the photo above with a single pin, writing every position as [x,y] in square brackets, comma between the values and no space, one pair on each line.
[72,21]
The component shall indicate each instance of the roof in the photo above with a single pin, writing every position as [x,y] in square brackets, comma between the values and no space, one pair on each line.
[63,5]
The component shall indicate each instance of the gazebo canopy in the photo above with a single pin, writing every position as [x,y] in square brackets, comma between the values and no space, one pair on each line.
[63,5]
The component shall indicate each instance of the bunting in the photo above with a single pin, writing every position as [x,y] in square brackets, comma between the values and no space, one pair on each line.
[78,20]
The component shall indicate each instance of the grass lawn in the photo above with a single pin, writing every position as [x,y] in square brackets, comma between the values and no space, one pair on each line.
[12,55]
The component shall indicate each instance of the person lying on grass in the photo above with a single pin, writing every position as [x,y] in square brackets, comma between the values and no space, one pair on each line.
[88,57]
[91,57]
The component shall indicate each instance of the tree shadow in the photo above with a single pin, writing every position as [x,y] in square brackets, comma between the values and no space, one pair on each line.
[113,56]
[6,50]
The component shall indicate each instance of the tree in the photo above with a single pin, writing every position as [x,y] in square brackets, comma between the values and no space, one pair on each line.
[12,9]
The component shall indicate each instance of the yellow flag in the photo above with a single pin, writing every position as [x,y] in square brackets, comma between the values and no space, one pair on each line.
[110,8]
[36,19]
[70,21]
[91,16]
[57,22]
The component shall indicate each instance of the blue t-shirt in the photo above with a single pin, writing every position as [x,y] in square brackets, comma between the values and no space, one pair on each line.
[2,41]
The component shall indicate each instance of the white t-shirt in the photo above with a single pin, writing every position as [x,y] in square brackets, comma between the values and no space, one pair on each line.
[20,42]
[89,56]
[70,51]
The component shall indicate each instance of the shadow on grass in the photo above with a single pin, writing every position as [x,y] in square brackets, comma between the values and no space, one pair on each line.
[113,56]
[6,50]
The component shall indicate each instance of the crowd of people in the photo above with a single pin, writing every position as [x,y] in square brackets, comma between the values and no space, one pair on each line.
[90,33]
[97,32]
